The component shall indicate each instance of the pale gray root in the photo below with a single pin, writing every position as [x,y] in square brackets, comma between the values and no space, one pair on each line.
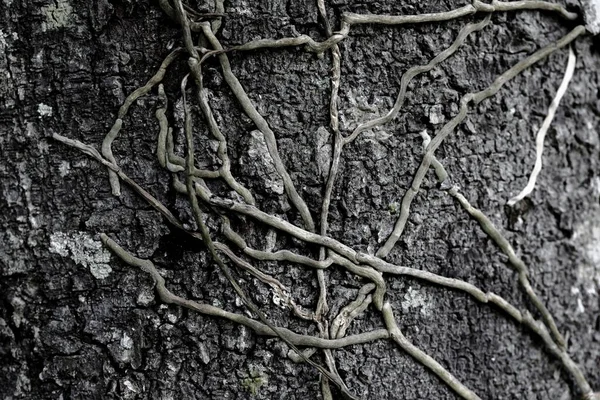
[280,290]
[259,328]
[116,128]
[92,152]
[470,98]
[282,225]
[348,254]
[176,163]
[107,152]
[196,26]
[366,272]
[412,72]
[349,19]
[163,123]
[322,306]
[356,19]
[378,264]
[194,65]
[281,255]
[308,352]
[215,24]
[344,318]
[213,127]
[262,126]
[285,255]
[477,6]
[341,324]
[523,318]
[560,353]
[439,169]
[528,5]
[423,358]
[489,228]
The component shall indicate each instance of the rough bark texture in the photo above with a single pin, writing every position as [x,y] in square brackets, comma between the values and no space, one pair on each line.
[77,323]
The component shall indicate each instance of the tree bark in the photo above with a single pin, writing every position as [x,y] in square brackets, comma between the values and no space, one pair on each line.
[78,323]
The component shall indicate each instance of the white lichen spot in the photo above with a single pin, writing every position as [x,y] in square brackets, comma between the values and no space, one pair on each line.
[416,300]
[172,318]
[145,298]
[57,15]
[436,114]
[204,356]
[173,366]
[124,352]
[44,110]
[271,240]
[37,61]
[277,300]
[25,183]
[576,292]
[31,130]
[280,299]
[371,250]
[323,151]
[64,168]
[23,386]
[83,250]
[131,386]
[586,237]
[580,307]
[238,301]
[244,342]
[43,147]
[18,315]
[126,342]
[100,271]
[243,9]
[3,44]
[595,185]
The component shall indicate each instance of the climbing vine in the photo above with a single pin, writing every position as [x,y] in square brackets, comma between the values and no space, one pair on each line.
[201,46]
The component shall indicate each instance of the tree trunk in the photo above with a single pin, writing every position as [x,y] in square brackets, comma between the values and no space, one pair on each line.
[76,322]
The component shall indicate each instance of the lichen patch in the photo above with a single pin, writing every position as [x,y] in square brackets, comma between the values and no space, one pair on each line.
[83,250]
[587,239]
[416,300]
[57,15]
[44,110]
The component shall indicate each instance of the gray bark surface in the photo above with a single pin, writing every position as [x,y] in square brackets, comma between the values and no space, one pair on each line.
[78,323]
